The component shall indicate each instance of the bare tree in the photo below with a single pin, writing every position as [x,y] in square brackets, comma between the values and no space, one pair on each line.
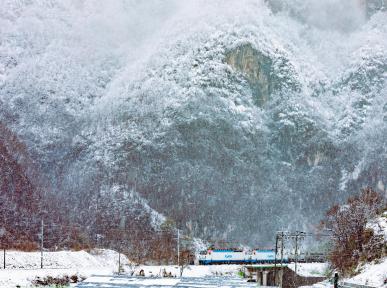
[352,240]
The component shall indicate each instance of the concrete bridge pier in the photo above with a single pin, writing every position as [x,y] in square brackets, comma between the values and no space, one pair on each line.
[259,278]
[264,278]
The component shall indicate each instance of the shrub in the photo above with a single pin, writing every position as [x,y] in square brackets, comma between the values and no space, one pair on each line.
[49,280]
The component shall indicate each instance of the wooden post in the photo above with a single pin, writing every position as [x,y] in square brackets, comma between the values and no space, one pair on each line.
[296,256]
[336,280]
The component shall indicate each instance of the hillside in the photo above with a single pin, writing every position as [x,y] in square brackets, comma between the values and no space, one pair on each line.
[20,198]
[203,115]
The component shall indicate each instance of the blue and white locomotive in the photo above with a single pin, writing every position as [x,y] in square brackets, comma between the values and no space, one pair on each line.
[234,256]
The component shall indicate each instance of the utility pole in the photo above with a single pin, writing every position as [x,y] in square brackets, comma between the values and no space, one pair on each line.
[282,257]
[282,248]
[281,236]
[3,241]
[299,236]
[296,253]
[119,261]
[275,256]
[41,245]
[178,249]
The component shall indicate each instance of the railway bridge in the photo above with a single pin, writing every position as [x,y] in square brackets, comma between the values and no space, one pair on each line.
[278,275]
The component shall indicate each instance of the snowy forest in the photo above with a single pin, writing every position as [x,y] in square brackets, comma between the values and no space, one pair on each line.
[123,121]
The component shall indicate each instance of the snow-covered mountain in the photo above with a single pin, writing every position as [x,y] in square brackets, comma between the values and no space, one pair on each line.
[234,118]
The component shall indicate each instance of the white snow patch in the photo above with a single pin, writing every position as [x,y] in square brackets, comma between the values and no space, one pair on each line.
[379,225]
[131,281]
[310,269]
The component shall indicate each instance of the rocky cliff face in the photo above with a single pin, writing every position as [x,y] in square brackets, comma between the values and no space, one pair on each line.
[264,75]
[257,70]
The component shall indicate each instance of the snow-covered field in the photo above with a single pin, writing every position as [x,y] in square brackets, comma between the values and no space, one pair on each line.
[193,276]
[23,267]
[304,269]
[63,259]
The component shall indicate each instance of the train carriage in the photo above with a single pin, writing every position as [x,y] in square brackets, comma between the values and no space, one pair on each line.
[222,256]
[229,256]
[263,256]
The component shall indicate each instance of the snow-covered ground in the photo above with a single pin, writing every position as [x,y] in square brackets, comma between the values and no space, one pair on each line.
[372,275]
[62,259]
[23,267]
[191,271]
[303,269]
[193,276]
[310,269]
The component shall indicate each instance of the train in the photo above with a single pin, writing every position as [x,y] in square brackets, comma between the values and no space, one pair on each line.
[235,256]
[255,256]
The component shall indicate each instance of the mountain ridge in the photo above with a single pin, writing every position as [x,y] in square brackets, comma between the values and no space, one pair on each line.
[250,113]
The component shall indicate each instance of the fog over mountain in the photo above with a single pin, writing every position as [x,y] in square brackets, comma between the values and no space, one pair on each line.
[233,118]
